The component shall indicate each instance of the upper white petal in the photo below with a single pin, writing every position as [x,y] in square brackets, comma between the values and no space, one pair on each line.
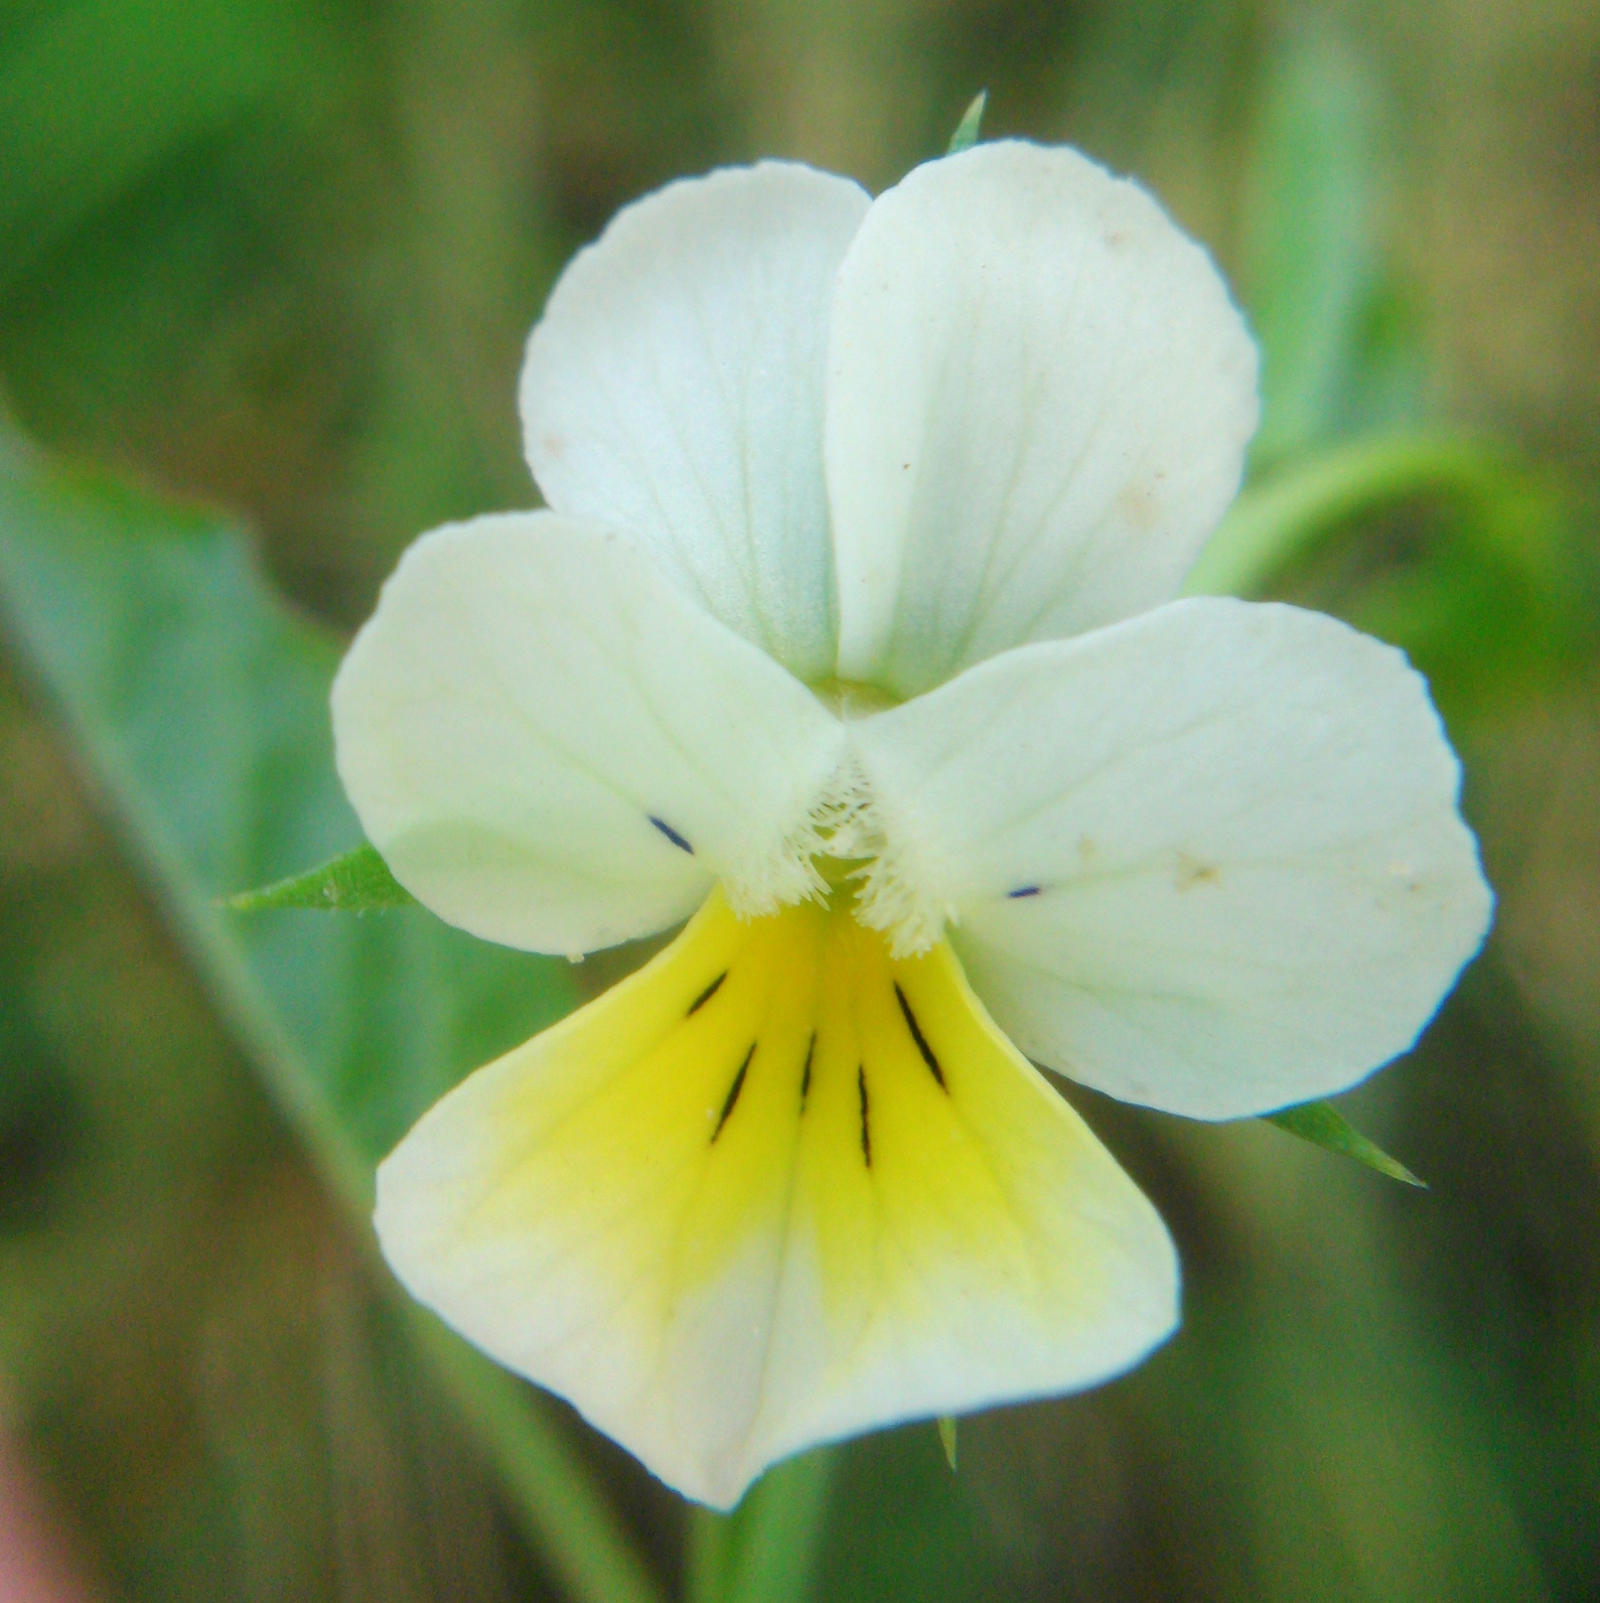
[1208,859]
[674,389]
[1039,396]
[534,712]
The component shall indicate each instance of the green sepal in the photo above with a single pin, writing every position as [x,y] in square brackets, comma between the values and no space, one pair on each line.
[966,134]
[1324,1126]
[947,1439]
[357,882]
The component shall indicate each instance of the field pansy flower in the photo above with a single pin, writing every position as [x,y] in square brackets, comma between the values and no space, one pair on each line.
[849,636]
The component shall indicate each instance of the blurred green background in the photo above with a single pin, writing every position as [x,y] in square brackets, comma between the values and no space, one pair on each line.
[279,258]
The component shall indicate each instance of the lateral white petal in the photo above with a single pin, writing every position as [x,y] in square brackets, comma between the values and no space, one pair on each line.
[1039,396]
[771,1190]
[674,389]
[556,749]
[1208,859]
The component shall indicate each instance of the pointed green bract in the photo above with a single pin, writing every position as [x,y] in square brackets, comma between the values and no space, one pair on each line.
[966,134]
[1324,1126]
[358,881]
[947,1440]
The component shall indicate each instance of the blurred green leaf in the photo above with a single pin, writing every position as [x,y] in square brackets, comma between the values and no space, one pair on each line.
[1324,1126]
[1335,353]
[966,134]
[947,1440]
[199,704]
[356,882]
[909,1529]
[96,94]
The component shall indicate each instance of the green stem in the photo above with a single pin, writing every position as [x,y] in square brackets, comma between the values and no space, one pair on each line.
[770,1548]
[1274,525]
[709,1546]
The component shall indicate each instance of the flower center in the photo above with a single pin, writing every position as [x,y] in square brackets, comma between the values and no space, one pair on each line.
[851,698]
[842,879]
[860,869]
[842,856]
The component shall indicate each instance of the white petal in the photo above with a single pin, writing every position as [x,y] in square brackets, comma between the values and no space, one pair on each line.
[554,748]
[1039,396]
[1208,859]
[731,1209]
[674,390]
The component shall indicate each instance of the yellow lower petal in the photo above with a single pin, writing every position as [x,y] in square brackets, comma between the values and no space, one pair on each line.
[776,1188]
